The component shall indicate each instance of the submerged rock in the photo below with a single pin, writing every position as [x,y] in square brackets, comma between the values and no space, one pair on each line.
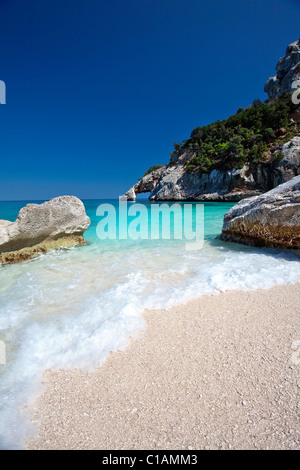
[38,228]
[272,219]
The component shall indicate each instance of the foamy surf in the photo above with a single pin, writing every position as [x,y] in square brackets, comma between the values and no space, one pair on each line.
[69,309]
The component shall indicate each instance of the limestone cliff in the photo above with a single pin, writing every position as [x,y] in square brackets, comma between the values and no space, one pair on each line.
[174,183]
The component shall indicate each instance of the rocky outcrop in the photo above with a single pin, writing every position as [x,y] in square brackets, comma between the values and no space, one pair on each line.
[272,219]
[174,183]
[57,223]
[288,71]
[177,184]
[145,184]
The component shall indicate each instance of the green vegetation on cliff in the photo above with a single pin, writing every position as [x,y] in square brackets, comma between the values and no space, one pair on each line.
[152,168]
[250,136]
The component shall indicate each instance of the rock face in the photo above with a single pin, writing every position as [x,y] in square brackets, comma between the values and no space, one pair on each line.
[55,223]
[272,219]
[145,184]
[288,71]
[174,183]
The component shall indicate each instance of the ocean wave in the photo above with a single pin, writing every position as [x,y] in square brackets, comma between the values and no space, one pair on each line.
[67,310]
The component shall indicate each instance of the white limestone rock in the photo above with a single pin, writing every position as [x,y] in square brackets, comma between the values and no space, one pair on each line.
[61,217]
[272,219]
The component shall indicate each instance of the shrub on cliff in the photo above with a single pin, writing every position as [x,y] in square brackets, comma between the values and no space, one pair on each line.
[152,168]
[242,138]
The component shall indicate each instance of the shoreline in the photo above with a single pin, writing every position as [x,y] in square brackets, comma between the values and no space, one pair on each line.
[219,372]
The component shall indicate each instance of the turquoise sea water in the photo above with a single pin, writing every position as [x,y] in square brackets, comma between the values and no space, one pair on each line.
[69,308]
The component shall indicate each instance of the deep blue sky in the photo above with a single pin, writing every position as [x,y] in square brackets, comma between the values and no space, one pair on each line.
[98,91]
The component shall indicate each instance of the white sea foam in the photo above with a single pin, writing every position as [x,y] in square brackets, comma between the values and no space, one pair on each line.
[67,310]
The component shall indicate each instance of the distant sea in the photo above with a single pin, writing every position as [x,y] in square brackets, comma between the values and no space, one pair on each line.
[71,307]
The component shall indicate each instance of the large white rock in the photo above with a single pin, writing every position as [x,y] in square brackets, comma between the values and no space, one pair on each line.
[63,216]
[272,219]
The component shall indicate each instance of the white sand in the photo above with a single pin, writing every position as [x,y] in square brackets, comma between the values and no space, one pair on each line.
[217,373]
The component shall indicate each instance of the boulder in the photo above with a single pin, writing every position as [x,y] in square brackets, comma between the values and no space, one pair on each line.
[271,219]
[59,222]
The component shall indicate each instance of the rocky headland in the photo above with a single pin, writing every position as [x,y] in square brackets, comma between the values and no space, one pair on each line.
[175,183]
[246,155]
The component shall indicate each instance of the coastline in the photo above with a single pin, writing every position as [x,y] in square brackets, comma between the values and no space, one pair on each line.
[220,372]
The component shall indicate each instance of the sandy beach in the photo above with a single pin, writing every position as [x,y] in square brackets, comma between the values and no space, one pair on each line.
[221,372]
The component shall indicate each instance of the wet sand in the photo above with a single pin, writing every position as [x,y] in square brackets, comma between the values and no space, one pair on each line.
[220,372]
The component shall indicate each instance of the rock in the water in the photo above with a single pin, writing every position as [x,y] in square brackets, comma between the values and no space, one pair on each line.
[59,222]
[272,219]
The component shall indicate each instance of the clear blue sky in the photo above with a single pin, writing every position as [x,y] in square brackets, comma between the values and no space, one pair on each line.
[98,91]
